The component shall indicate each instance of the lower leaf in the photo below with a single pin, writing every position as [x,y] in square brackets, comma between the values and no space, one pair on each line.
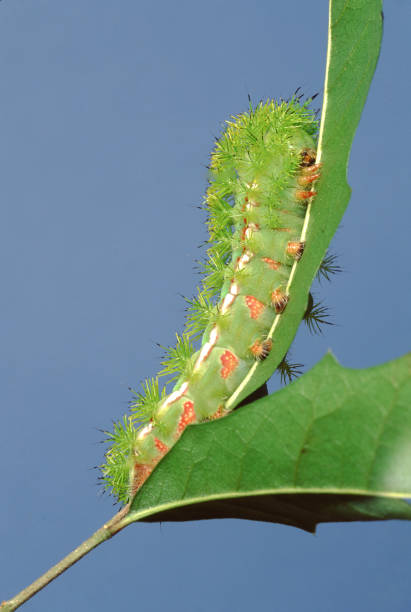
[333,446]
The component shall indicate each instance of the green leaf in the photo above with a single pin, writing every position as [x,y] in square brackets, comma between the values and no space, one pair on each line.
[355,30]
[333,446]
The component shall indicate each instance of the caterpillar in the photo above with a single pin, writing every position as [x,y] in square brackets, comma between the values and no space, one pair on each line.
[262,172]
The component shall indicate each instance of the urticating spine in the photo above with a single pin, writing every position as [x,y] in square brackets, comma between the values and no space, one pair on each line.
[261,176]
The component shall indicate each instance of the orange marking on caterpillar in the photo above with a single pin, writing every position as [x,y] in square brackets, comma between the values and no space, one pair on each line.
[229,362]
[187,417]
[244,230]
[302,195]
[218,413]
[261,349]
[279,300]
[274,265]
[160,446]
[255,306]
[306,179]
[311,169]
[295,249]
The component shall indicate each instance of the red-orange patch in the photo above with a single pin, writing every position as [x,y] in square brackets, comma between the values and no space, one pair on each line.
[218,413]
[274,265]
[187,417]
[229,362]
[243,231]
[301,194]
[255,306]
[256,348]
[307,179]
[160,446]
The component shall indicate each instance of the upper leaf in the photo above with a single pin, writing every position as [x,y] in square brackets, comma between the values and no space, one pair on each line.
[354,37]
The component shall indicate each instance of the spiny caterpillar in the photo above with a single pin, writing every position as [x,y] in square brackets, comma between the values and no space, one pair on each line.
[261,175]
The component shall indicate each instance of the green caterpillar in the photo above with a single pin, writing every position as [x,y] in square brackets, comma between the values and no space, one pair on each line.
[261,175]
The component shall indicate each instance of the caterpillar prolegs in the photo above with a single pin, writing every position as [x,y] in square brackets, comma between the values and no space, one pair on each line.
[261,175]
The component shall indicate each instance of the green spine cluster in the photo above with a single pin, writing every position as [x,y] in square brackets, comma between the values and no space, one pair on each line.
[253,214]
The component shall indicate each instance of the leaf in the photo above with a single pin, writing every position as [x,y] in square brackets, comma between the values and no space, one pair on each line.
[333,446]
[355,30]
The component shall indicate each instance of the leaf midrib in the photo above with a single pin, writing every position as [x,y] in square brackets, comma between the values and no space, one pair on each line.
[136,516]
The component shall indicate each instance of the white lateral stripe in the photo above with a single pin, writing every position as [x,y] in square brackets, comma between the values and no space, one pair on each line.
[228,300]
[234,289]
[244,260]
[173,397]
[145,431]
[205,351]
[251,204]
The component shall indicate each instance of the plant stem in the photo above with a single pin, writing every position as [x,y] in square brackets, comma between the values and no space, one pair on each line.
[116,524]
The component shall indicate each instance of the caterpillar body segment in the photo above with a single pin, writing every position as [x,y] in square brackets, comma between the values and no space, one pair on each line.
[262,173]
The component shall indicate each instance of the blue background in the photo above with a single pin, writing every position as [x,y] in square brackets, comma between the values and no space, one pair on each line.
[108,115]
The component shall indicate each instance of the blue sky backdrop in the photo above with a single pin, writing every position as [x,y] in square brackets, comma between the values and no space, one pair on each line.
[108,115]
